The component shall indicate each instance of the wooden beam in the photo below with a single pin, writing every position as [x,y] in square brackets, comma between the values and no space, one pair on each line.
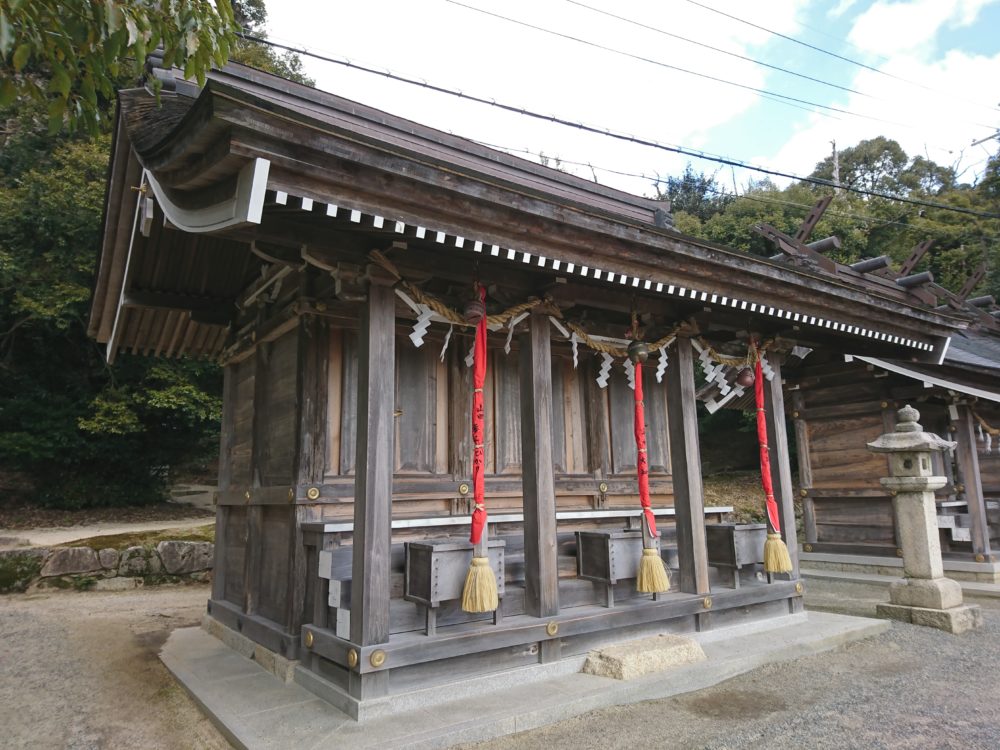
[805,466]
[685,465]
[812,219]
[541,572]
[374,465]
[202,309]
[781,468]
[967,461]
[916,254]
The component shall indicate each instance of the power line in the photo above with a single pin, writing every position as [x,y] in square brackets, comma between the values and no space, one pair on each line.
[828,52]
[656,180]
[742,57]
[668,66]
[718,49]
[608,133]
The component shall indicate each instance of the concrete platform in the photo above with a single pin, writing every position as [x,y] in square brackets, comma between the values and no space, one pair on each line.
[960,570]
[970,589]
[254,709]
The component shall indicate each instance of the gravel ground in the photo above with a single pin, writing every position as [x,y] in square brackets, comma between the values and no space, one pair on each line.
[910,687]
[81,671]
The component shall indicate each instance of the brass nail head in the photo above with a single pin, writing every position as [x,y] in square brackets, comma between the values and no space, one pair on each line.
[313,493]
[463,489]
[603,486]
[377,659]
[352,658]
[707,602]
[552,628]
[798,588]
[309,639]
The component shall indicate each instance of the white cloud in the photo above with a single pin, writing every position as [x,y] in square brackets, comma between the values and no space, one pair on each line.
[842,7]
[939,118]
[459,48]
[890,28]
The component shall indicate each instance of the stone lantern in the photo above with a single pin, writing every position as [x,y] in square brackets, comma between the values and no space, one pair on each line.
[925,596]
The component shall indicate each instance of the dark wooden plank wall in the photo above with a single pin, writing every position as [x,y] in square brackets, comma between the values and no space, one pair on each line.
[432,430]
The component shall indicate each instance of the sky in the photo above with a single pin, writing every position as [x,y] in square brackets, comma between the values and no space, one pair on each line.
[924,72]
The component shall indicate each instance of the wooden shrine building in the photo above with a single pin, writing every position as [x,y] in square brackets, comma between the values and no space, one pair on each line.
[839,402]
[318,249]
[837,406]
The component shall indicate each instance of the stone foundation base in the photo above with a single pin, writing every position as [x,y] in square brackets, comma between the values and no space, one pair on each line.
[276,664]
[625,661]
[954,620]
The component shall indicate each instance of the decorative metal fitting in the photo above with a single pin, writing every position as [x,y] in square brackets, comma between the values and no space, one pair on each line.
[804,492]
[884,404]
[352,658]
[309,639]
[807,548]
[638,351]
[799,588]
[377,659]
[552,628]
[313,493]
[247,495]
[745,377]
[291,494]
[707,602]
[795,414]
[980,558]
[899,553]
[603,486]
[463,489]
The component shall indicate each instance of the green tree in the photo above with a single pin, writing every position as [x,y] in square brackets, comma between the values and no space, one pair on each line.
[69,54]
[83,432]
[251,15]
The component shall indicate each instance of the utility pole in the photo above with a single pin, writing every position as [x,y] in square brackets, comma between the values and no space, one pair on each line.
[836,167]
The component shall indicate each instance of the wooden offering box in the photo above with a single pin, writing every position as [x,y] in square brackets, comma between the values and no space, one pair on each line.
[436,570]
[608,557]
[733,546]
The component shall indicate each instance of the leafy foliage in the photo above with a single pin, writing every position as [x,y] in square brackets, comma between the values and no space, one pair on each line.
[68,55]
[251,15]
[868,226]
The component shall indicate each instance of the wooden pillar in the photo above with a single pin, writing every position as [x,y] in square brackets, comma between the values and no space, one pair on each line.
[781,467]
[226,439]
[259,450]
[311,451]
[967,461]
[373,465]
[541,574]
[685,467]
[805,467]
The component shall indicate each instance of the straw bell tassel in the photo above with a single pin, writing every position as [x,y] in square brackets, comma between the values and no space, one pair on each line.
[480,592]
[776,557]
[652,577]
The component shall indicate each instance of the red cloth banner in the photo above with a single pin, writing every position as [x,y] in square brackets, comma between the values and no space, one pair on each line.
[478,427]
[642,463]
[765,456]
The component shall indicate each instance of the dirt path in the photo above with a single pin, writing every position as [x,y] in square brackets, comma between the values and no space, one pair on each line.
[80,671]
[50,537]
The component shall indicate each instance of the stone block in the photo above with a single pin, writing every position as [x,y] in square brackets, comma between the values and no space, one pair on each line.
[71,561]
[109,558]
[279,666]
[898,612]
[626,661]
[936,593]
[180,558]
[236,641]
[116,584]
[139,561]
[955,620]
